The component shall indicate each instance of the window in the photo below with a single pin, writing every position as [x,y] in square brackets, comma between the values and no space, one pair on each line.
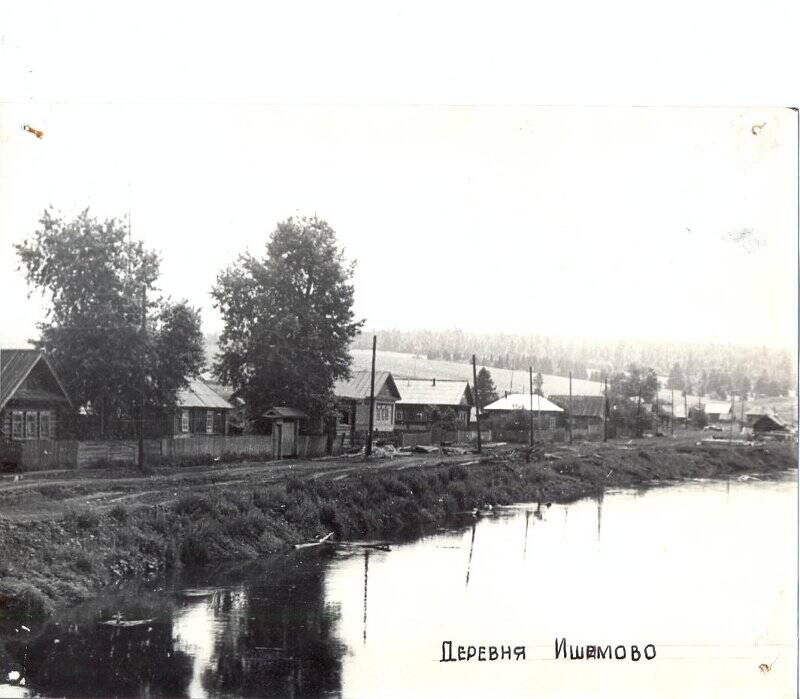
[383,412]
[184,420]
[16,425]
[552,423]
[209,421]
[44,424]
[31,431]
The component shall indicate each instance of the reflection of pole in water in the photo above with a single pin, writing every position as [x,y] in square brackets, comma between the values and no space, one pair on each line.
[471,545]
[525,546]
[366,577]
[599,514]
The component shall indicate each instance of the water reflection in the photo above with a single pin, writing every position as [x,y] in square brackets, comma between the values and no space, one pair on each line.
[298,625]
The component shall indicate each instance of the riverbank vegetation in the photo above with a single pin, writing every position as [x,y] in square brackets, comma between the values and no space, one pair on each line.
[49,562]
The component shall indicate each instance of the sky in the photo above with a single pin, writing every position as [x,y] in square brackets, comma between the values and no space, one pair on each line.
[486,214]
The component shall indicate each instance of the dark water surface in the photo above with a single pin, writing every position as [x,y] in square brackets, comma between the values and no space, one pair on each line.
[705,571]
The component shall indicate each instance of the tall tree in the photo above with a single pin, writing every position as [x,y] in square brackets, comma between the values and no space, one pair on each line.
[487,391]
[107,330]
[288,319]
[676,380]
[538,383]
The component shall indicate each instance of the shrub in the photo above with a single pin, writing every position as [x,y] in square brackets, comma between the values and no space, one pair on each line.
[192,504]
[119,512]
[22,601]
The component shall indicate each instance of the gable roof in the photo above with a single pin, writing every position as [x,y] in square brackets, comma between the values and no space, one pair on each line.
[522,401]
[198,394]
[434,392]
[717,406]
[16,365]
[753,418]
[357,386]
[582,406]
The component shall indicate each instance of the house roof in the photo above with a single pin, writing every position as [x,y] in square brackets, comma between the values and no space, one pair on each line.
[582,406]
[198,394]
[284,412]
[357,386]
[753,418]
[227,392]
[434,392]
[15,366]
[717,406]
[522,401]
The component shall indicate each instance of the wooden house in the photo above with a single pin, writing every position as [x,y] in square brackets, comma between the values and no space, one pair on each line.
[425,401]
[33,400]
[352,404]
[760,422]
[545,413]
[586,412]
[200,410]
[718,411]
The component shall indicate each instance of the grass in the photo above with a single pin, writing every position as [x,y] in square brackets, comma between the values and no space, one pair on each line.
[44,563]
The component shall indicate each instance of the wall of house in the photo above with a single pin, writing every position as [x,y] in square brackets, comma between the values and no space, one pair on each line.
[383,420]
[53,419]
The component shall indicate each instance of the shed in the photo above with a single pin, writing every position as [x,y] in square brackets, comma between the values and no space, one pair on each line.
[717,410]
[285,429]
[421,399]
[760,422]
[32,398]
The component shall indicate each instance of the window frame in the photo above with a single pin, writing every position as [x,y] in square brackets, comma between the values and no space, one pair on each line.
[185,422]
[209,422]
[46,433]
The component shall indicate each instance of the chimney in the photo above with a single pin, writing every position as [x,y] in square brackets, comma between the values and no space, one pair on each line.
[434,381]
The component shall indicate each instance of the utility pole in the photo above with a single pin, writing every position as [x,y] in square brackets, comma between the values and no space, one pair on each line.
[569,417]
[685,412]
[530,377]
[672,413]
[638,410]
[733,419]
[142,376]
[368,446]
[477,401]
[605,409]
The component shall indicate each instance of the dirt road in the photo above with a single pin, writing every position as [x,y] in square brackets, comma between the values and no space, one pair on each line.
[48,494]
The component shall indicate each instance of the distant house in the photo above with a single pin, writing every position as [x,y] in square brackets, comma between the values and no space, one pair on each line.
[32,398]
[760,422]
[352,403]
[717,411]
[545,413]
[199,409]
[587,411]
[421,399]
[237,417]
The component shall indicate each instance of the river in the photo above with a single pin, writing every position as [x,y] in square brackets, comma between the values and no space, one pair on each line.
[705,571]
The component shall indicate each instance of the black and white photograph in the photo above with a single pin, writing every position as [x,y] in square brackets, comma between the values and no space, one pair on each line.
[338,361]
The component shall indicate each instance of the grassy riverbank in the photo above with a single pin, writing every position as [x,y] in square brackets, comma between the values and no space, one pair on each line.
[53,561]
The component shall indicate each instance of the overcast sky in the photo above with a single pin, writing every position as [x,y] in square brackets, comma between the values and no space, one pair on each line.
[597,222]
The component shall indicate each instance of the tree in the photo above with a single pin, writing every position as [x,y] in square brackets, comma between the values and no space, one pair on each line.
[111,337]
[676,380]
[288,320]
[626,393]
[487,391]
[538,383]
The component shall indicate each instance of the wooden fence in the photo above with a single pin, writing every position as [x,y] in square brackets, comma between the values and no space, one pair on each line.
[55,454]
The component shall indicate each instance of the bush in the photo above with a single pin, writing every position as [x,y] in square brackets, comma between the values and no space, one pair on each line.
[119,513]
[192,504]
[22,601]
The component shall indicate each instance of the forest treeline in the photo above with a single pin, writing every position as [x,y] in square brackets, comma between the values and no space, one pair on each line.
[706,368]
